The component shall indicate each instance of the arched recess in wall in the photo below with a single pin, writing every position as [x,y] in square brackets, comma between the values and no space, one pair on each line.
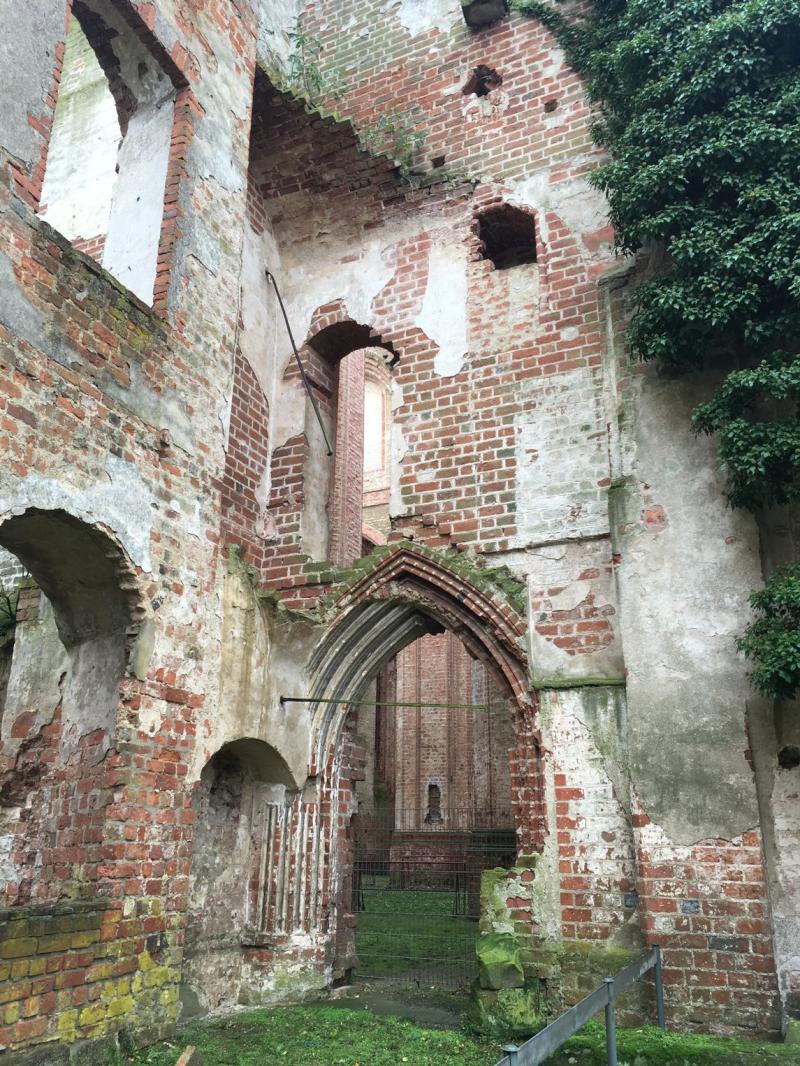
[77,617]
[243,808]
[407,594]
[337,357]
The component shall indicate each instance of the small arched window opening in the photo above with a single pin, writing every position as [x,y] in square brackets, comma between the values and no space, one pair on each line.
[246,806]
[434,805]
[480,13]
[76,611]
[507,235]
[356,484]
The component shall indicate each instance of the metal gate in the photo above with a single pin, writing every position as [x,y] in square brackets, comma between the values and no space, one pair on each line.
[416,893]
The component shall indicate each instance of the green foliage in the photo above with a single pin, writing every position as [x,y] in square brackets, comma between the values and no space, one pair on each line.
[400,932]
[335,1036]
[306,78]
[773,639]
[755,415]
[653,1047]
[395,134]
[8,615]
[700,114]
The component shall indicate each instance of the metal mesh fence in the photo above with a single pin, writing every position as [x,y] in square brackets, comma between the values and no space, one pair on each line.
[416,891]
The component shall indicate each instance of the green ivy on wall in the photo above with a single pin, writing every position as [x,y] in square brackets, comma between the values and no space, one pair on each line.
[700,114]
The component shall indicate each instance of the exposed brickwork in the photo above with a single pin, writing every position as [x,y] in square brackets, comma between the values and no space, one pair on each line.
[113,827]
[243,489]
[707,906]
[163,433]
[347,489]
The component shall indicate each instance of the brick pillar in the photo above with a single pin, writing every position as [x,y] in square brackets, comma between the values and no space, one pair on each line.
[347,490]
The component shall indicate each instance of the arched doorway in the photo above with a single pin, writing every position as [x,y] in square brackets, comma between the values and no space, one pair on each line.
[433,811]
[437,842]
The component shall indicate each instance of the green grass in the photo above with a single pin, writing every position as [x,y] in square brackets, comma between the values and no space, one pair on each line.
[336,1036]
[321,1036]
[656,1048]
[414,934]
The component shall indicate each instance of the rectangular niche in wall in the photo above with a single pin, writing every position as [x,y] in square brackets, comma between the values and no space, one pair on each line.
[109,148]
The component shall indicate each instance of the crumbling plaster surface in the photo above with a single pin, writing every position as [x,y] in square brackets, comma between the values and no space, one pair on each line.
[584,732]
[582,208]
[86,128]
[26,73]
[120,502]
[443,315]
[771,729]
[137,207]
[562,457]
[39,665]
[687,565]
[276,20]
[422,16]
[291,977]
[581,570]
[261,659]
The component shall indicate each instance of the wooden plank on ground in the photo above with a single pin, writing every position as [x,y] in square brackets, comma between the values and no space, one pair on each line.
[190,1056]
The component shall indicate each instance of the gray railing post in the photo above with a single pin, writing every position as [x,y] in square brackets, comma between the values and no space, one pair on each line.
[512,1051]
[611,1024]
[659,991]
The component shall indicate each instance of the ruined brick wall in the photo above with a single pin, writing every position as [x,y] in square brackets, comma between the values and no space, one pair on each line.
[111,413]
[514,414]
[176,431]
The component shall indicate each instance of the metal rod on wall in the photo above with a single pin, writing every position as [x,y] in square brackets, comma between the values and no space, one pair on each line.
[379,703]
[301,368]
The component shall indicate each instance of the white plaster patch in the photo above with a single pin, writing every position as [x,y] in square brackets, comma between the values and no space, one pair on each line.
[423,16]
[259,319]
[561,457]
[123,504]
[289,417]
[276,19]
[399,449]
[311,285]
[444,308]
[149,720]
[583,208]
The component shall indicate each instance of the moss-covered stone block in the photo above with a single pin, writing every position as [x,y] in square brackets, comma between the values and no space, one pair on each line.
[508,1012]
[499,961]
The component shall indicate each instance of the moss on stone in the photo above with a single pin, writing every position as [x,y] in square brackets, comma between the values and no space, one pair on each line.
[499,962]
[508,1013]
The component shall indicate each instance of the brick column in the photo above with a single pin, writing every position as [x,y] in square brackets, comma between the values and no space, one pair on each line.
[347,490]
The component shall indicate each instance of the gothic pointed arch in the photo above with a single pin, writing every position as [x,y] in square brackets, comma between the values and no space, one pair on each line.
[405,592]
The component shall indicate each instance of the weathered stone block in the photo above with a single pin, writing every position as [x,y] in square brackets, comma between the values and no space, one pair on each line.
[508,1012]
[499,961]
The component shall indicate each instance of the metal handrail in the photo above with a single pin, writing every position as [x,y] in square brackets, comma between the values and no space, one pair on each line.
[540,1047]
